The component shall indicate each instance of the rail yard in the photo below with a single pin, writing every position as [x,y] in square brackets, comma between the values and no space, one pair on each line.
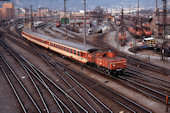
[49,64]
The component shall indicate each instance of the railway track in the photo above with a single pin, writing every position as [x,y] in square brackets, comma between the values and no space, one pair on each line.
[21,92]
[118,98]
[121,78]
[165,84]
[144,89]
[83,103]
[38,91]
[101,106]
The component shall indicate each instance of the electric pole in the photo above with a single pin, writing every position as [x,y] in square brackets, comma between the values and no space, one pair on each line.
[157,14]
[138,11]
[84,22]
[122,21]
[164,26]
[65,17]
[31,18]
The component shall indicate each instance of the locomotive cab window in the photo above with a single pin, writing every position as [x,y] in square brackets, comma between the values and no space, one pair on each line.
[104,55]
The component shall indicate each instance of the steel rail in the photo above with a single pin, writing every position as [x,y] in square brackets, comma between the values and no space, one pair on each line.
[32,100]
[44,83]
[36,87]
[51,92]
[23,66]
[62,90]
[116,93]
[144,79]
[145,87]
[85,89]
[148,75]
[14,90]
[67,95]
[71,86]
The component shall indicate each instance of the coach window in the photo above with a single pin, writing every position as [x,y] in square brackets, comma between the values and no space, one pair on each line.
[74,51]
[78,53]
[68,49]
[64,48]
[59,46]
[71,51]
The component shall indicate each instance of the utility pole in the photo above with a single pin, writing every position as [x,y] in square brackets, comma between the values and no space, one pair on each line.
[122,21]
[164,26]
[65,17]
[84,22]
[24,15]
[137,22]
[39,13]
[31,18]
[138,11]
[106,9]
[157,14]
[18,13]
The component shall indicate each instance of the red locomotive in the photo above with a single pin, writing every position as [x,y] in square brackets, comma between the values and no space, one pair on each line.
[136,31]
[58,24]
[147,31]
[106,61]
[122,38]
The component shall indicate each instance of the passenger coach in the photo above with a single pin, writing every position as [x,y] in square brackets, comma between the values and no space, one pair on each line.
[65,48]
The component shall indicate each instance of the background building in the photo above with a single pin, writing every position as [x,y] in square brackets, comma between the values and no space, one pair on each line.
[7,11]
[157,25]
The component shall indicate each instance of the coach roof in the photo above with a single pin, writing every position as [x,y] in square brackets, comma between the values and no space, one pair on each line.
[64,42]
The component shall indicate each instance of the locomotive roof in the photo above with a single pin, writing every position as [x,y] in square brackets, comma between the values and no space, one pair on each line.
[61,41]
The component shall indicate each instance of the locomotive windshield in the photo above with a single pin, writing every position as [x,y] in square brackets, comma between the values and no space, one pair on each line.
[92,50]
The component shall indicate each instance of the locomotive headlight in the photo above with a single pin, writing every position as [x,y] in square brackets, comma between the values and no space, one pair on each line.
[124,63]
[114,65]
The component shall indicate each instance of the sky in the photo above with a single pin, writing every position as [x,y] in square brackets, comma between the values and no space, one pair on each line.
[91,4]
